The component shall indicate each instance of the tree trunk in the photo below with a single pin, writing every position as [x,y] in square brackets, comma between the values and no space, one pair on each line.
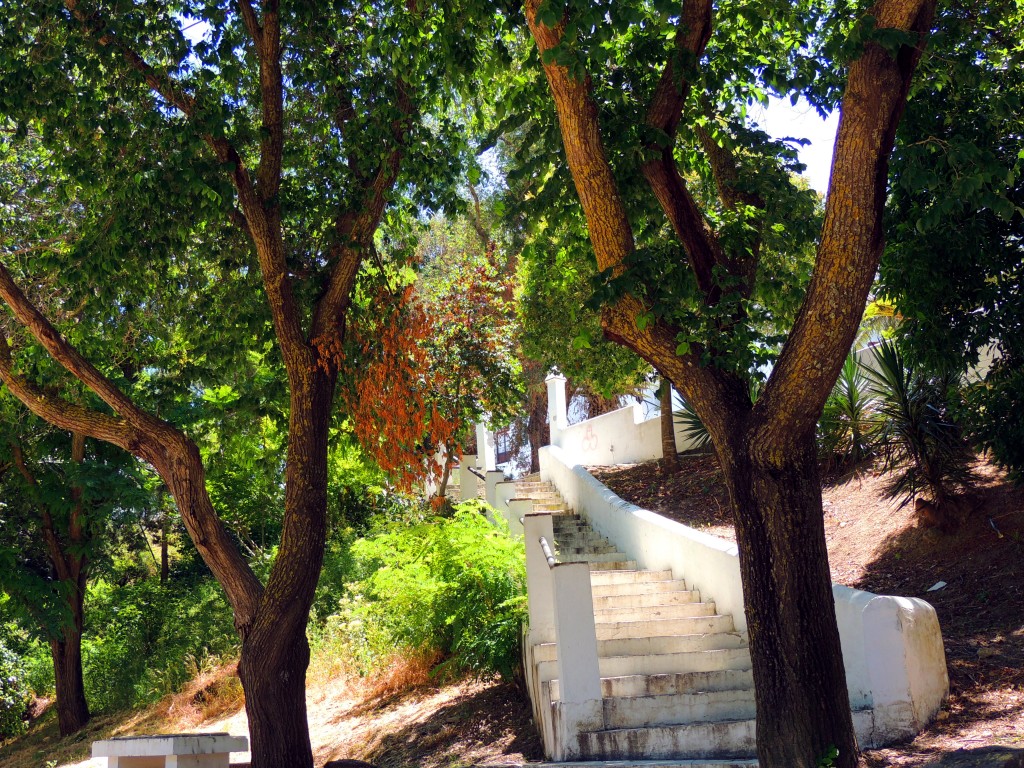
[794,640]
[66,651]
[275,652]
[537,428]
[669,454]
[165,559]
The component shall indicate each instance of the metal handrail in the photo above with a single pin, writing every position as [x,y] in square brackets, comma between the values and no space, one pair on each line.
[547,552]
[476,472]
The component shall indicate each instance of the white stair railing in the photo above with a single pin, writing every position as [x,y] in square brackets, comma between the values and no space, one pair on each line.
[561,609]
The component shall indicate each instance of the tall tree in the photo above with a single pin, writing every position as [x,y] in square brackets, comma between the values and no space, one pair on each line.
[297,125]
[952,263]
[60,498]
[651,102]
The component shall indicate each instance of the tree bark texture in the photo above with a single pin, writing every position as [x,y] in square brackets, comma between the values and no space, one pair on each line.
[790,611]
[69,685]
[670,456]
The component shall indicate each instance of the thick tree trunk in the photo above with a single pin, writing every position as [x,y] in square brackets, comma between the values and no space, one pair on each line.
[669,454]
[803,706]
[275,653]
[72,708]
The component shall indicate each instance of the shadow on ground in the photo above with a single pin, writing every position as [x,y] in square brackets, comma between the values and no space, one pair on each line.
[474,723]
[985,757]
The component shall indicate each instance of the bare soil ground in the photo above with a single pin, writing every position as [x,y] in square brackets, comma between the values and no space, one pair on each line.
[400,719]
[876,546]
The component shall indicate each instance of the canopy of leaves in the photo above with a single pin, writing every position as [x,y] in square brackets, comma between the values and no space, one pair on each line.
[953,264]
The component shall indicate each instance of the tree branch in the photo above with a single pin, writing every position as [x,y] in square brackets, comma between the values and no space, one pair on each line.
[264,227]
[852,235]
[662,173]
[354,231]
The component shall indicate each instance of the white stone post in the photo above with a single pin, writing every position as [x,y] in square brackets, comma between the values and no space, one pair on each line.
[467,480]
[503,491]
[906,664]
[580,705]
[558,414]
[519,509]
[540,591]
[485,454]
[491,479]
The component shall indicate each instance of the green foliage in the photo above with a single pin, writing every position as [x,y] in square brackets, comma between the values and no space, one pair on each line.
[452,585]
[991,412]
[846,431]
[829,758]
[143,641]
[14,694]
[693,428]
[560,329]
[954,252]
[921,445]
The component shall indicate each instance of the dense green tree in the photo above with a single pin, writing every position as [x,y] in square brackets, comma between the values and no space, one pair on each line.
[62,496]
[296,126]
[694,224]
[953,263]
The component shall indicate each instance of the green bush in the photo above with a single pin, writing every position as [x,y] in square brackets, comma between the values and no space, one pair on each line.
[143,640]
[453,585]
[14,694]
[992,409]
[922,446]
[848,424]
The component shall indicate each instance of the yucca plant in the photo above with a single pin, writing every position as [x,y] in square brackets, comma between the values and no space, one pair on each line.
[847,428]
[922,447]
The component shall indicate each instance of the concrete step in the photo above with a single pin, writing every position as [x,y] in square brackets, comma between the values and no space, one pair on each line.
[604,557]
[727,739]
[678,709]
[687,682]
[588,549]
[619,577]
[603,565]
[693,625]
[631,587]
[650,600]
[654,646]
[654,612]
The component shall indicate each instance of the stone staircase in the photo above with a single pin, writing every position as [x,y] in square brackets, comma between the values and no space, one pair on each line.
[676,684]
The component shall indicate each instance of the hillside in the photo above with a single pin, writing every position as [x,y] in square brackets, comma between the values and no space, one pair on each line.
[404,718]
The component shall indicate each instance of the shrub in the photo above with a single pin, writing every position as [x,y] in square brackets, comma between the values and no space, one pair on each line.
[847,427]
[921,445]
[992,420]
[451,585]
[14,694]
[143,641]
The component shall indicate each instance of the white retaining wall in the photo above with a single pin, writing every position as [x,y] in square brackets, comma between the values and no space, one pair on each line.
[892,646]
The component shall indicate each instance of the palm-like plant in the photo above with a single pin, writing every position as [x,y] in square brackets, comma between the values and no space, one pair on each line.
[922,447]
[848,424]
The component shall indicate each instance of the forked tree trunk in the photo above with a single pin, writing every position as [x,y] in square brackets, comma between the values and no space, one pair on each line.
[66,651]
[669,454]
[794,640]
